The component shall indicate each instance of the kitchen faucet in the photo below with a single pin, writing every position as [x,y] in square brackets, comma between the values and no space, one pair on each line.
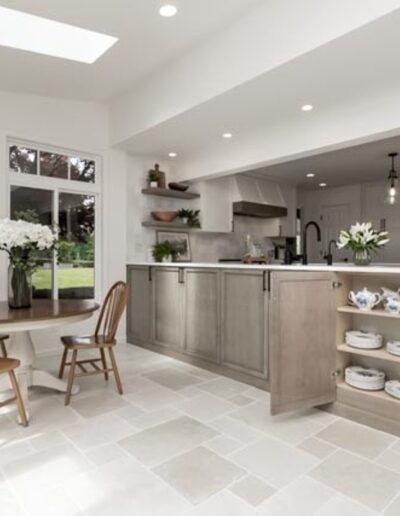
[329,257]
[311,223]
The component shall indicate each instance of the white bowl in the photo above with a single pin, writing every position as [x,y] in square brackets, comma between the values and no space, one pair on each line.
[393,347]
[363,340]
[392,387]
[365,378]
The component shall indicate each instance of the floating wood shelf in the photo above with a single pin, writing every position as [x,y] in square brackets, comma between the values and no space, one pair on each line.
[380,354]
[168,225]
[345,390]
[377,312]
[172,194]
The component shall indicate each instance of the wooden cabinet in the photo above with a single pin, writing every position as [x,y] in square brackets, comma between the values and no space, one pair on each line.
[139,310]
[168,315]
[302,352]
[244,322]
[202,313]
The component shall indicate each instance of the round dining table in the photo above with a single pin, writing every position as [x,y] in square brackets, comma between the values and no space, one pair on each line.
[19,323]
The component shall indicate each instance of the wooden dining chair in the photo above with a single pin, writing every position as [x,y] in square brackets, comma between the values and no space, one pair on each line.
[103,340]
[8,365]
[3,349]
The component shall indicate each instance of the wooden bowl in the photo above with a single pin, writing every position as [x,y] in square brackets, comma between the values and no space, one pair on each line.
[178,187]
[164,216]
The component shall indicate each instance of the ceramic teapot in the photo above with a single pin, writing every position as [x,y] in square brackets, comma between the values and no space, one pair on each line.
[392,305]
[364,299]
[388,293]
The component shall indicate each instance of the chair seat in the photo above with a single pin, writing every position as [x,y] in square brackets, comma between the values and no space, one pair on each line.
[86,342]
[8,364]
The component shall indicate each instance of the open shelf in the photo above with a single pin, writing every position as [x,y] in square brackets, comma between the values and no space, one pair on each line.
[376,312]
[380,354]
[168,225]
[172,194]
[345,390]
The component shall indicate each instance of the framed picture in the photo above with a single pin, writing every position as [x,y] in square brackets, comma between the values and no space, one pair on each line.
[180,242]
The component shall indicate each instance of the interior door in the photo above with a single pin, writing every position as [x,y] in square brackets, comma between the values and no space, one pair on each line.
[302,354]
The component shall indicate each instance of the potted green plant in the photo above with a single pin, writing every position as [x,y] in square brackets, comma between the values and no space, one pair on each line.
[153,179]
[164,252]
[362,239]
[190,217]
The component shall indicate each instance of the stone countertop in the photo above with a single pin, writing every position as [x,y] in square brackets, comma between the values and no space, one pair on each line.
[316,267]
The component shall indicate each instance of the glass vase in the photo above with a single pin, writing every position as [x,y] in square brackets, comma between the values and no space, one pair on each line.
[362,257]
[19,287]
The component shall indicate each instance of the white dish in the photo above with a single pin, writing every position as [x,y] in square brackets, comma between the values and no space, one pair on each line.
[393,347]
[387,292]
[363,340]
[365,378]
[392,387]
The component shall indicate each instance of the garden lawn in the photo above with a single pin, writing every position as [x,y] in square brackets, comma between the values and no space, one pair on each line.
[67,278]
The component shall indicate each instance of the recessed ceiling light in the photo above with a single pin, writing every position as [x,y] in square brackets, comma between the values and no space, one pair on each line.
[31,33]
[172,154]
[307,107]
[227,135]
[168,10]
[310,174]
[323,185]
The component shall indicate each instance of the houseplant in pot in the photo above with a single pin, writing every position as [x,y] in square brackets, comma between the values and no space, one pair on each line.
[22,241]
[190,217]
[164,252]
[153,179]
[363,240]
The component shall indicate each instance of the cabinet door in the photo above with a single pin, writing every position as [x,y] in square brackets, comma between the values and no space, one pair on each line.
[201,313]
[244,322]
[168,306]
[302,344]
[139,313]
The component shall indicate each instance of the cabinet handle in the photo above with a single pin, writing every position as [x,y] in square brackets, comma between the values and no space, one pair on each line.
[150,274]
[181,276]
[266,281]
[337,284]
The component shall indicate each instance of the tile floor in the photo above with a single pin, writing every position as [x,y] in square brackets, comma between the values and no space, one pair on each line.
[185,442]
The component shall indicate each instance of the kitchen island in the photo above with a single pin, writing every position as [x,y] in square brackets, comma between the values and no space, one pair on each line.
[277,327]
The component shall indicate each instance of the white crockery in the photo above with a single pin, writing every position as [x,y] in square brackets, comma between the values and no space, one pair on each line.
[393,347]
[387,292]
[365,378]
[363,340]
[364,299]
[392,305]
[392,387]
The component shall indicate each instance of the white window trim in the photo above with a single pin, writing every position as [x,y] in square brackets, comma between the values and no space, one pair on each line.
[57,186]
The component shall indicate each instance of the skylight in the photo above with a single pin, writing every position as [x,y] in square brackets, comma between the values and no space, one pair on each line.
[43,36]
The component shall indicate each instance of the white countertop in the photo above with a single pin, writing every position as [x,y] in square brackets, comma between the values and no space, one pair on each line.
[316,267]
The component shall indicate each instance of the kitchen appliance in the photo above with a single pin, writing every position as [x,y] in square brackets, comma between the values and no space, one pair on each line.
[258,198]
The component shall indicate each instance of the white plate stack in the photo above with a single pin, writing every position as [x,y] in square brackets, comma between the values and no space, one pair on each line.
[363,340]
[393,347]
[365,378]
[392,387]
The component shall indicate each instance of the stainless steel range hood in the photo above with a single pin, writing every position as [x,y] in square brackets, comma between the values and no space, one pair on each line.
[258,198]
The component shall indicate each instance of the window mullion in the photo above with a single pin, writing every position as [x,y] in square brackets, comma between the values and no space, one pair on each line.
[55,258]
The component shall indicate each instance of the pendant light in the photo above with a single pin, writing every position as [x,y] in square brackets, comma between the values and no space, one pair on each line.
[393,180]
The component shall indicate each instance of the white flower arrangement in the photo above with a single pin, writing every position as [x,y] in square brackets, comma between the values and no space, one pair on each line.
[362,237]
[21,240]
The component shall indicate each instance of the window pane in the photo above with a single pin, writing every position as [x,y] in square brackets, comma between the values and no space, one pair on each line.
[53,165]
[76,246]
[83,170]
[34,205]
[23,159]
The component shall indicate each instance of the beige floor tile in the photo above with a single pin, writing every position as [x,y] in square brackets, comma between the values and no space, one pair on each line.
[390,459]
[206,407]
[252,490]
[301,498]
[105,453]
[291,428]
[236,429]
[149,419]
[356,438]
[277,463]
[199,473]
[160,443]
[97,404]
[224,387]
[317,448]
[393,509]
[223,504]
[173,379]
[49,502]
[362,480]
[154,398]
[130,413]
[241,400]
[9,505]
[342,506]
[224,445]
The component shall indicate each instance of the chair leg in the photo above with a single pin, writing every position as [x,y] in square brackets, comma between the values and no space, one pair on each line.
[62,365]
[104,362]
[115,369]
[20,403]
[3,348]
[71,377]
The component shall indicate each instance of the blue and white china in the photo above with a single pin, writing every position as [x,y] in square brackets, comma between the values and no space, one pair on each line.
[387,292]
[363,340]
[392,305]
[364,299]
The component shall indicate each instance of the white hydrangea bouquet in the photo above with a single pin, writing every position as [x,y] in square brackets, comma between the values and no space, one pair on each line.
[362,239]
[21,241]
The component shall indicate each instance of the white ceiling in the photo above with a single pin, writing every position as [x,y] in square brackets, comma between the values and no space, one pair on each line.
[147,43]
[359,164]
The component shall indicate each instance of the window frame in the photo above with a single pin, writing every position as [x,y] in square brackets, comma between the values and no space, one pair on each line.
[57,186]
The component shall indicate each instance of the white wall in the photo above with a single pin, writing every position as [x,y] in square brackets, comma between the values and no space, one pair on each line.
[78,126]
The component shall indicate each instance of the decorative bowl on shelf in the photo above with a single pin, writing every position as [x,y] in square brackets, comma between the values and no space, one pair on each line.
[164,216]
[365,379]
[392,387]
[363,340]
[178,187]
